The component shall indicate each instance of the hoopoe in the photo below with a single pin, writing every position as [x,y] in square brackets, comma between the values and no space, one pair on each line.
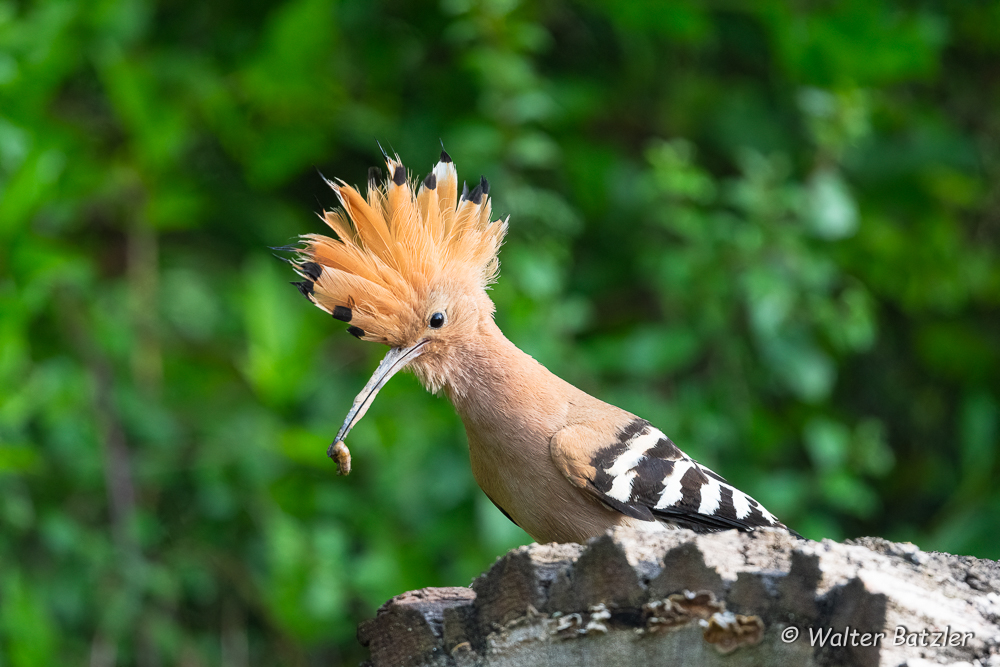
[409,267]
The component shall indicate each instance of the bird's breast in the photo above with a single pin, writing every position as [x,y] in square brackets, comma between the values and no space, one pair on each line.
[521,480]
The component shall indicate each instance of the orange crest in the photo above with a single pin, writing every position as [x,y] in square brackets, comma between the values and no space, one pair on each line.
[395,246]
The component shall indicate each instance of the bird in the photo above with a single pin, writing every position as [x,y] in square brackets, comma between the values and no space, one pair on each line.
[410,266]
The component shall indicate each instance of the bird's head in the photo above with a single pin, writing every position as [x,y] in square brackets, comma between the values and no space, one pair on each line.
[409,267]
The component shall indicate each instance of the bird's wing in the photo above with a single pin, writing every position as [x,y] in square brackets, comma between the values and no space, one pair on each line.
[641,473]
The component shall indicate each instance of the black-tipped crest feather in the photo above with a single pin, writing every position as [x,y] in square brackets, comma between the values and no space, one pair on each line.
[399,176]
[311,269]
[476,196]
[306,288]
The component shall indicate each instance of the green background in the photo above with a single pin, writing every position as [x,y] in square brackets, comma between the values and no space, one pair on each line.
[771,232]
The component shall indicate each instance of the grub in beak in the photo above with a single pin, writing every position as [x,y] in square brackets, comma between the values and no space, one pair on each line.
[395,360]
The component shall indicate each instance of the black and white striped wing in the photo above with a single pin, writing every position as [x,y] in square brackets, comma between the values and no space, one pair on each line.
[646,476]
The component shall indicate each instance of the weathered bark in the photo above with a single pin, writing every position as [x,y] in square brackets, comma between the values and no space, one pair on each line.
[631,600]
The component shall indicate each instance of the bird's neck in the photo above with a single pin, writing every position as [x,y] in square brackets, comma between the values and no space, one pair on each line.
[496,386]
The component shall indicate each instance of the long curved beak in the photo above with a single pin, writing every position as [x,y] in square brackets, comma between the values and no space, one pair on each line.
[394,361]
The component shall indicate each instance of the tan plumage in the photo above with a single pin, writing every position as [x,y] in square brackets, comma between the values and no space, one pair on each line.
[409,267]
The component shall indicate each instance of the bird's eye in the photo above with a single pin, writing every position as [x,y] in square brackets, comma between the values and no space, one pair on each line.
[437,320]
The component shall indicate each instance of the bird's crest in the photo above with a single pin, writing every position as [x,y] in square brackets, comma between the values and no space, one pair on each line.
[396,245]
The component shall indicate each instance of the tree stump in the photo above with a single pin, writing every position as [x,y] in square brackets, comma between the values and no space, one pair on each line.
[764,598]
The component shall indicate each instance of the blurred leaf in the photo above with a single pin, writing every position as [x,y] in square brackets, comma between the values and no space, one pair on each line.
[18,459]
[29,633]
[279,355]
[849,494]
[828,443]
[834,213]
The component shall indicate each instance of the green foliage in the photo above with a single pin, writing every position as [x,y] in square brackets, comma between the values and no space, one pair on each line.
[773,232]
